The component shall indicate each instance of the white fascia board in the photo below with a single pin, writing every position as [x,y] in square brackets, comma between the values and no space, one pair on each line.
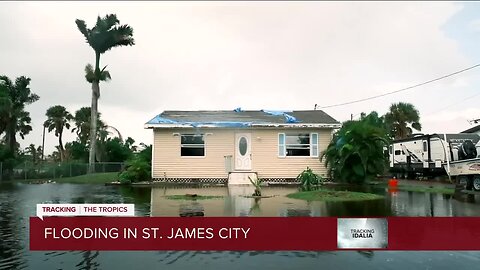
[305,125]
[166,126]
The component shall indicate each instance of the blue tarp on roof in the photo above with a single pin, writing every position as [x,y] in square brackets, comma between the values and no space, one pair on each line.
[288,117]
[221,124]
[161,120]
[228,124]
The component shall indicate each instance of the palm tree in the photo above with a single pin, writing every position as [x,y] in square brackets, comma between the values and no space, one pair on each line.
[105,35]
[5,106]
[35,152]
[82,121]
[129,143]
[401,119]
[117,131]
[58,118]
[14,119]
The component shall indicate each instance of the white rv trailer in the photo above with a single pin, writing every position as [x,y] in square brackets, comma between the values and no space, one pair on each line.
[465,173]
[426,155]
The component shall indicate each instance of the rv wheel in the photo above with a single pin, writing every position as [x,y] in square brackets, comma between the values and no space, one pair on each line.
[476,183]
[462,181]
[469,183]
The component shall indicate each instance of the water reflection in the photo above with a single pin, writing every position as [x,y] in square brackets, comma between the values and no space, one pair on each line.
[88,261]
[11,228]
[17,204]
[235,201]
[192,209]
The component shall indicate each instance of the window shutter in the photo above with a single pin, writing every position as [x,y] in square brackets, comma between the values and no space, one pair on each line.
[314,144]
[281,144]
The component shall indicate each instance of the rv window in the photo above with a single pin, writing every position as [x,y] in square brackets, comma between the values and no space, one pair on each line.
[192,145]
[399,152]
[424,146]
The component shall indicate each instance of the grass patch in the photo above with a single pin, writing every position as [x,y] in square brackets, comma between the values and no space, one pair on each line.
[333,196]
[442,190]
[417,188]
[191,198]
[94,178]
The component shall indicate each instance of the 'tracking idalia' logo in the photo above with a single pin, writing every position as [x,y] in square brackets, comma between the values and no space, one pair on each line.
[362,233]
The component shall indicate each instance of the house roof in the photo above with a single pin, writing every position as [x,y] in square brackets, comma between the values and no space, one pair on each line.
[239,118]
[472,129]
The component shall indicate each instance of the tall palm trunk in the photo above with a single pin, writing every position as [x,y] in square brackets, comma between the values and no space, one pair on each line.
[93,116]
[11,139]
[62,150]
[11,143]
[93,127]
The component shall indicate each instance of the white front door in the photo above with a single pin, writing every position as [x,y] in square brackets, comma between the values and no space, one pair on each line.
[243,156]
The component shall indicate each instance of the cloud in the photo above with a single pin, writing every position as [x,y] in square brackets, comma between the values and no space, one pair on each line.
[474,25]
[223,55]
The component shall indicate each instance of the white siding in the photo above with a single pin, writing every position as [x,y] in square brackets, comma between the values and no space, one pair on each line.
[219,143]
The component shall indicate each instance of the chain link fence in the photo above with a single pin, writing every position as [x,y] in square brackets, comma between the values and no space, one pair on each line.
[47,170]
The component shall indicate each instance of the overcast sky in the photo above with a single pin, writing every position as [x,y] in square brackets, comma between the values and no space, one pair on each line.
[254,55]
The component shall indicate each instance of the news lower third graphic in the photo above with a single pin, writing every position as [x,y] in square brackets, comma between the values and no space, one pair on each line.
[86,209]
[115,227]
[362,233]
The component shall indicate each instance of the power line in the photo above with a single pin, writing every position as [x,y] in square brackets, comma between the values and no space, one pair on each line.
[403,89]
[453,104]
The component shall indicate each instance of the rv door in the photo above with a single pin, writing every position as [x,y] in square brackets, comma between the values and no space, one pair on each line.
[390,153]
[425,158]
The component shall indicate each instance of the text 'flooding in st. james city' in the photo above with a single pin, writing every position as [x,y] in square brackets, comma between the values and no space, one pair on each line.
[146,233]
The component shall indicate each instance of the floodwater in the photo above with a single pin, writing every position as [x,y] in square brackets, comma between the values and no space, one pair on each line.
[17,204]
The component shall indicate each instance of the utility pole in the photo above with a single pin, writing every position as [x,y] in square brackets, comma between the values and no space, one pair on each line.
[43,142]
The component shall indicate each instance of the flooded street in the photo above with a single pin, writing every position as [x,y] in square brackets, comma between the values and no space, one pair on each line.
[17,204]
[232,202]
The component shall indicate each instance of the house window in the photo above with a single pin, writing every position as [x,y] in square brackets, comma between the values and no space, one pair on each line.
[192,145]
[314,145]
[302,145]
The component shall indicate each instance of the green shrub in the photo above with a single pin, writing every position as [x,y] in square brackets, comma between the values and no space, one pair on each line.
[136,170]
[355,153]
[308,178]
[257,184]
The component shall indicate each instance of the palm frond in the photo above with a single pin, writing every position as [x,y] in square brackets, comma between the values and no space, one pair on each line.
[82,27]
[107,33]
[417,126]
[4,80]
[118,36]
[89,73]
[110,20]
[105,76]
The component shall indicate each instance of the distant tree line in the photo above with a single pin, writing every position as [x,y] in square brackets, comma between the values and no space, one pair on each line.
[15,122]
[94,142]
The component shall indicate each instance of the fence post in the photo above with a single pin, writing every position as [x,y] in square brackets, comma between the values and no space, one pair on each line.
[103,167]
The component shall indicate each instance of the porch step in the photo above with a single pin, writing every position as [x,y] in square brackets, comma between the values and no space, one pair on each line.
[241,178]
